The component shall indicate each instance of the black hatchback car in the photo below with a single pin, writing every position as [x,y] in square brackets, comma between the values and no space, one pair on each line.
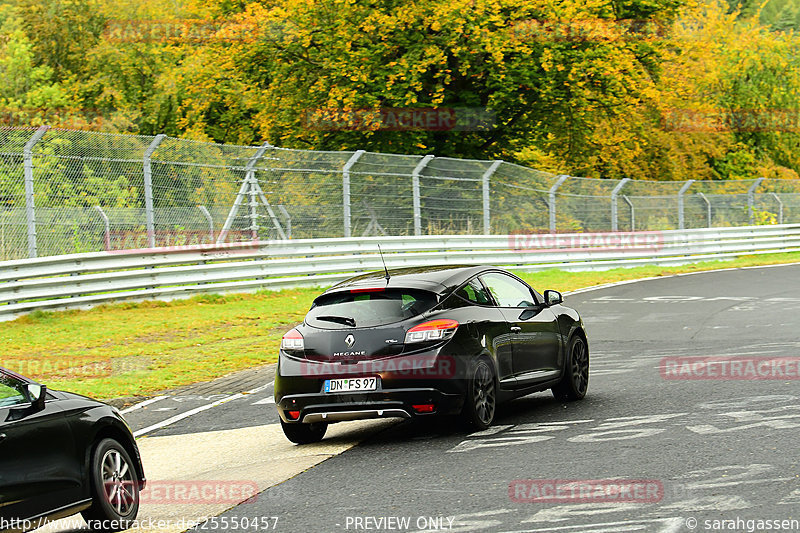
[417,342]
[62,453]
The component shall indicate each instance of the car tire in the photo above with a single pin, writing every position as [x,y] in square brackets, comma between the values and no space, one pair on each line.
[304,433]
[480,403]
[575,381]
[115,488]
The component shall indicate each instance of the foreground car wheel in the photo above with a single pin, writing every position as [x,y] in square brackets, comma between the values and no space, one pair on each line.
[481,400]
[115,488]
[575,381]
[304,433]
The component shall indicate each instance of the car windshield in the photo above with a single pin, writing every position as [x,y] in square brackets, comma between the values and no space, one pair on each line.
[344,310]
[10,391]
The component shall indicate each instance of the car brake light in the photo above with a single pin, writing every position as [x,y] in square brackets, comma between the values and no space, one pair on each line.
[433,330]
[369,289]
[294,415]
[292,341]
[424,408]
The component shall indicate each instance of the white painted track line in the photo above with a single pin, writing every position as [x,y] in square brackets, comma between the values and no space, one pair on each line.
[192,412]
[142,404]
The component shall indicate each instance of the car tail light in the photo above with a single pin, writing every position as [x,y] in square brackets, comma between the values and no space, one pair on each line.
[292,341]
[433,330]
[294,415]
[424,408]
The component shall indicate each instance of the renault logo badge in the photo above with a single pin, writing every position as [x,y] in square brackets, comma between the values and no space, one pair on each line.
[350,341]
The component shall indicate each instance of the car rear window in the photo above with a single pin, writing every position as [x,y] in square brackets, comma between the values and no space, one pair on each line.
[360,308]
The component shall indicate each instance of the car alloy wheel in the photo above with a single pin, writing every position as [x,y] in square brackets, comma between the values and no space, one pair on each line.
[118,482]
[481,401]
[115,488]
[575,381]
[580,366]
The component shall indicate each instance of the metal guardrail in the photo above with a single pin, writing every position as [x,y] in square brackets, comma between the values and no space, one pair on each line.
[84,280]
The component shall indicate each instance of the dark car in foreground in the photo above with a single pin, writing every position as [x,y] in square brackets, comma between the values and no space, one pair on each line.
[62,453]
[418,342]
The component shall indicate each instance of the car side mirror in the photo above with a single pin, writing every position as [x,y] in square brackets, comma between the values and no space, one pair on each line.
[37,394]
[552,298]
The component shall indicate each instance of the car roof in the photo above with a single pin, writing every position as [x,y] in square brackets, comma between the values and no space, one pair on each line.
[13,374]
[437,278]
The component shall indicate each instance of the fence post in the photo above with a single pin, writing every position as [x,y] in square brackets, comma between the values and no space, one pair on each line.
[346,215]
[107,225]
[210,221]
[633,213]
[30,205]
[681,218]
[780,207]
[148,190]
[249,183]
[415,192]
[487,208]
[551,195]
[708,208]
[614,194]
[250,179]
[287,220]
[751,199]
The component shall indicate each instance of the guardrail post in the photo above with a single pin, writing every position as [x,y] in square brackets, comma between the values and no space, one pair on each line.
[681,219]
[148,190]
[551,195]
[708,208]
[487,208]
[780,207]
[107,225]
[614,194]
[210,221]
[30,205]
[415,192]
[751,199]
[633,213]
[346,214]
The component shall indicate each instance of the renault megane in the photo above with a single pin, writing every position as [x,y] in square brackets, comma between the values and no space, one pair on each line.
[418,342]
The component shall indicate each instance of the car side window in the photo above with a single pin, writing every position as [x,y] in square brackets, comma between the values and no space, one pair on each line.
[474,292]
[11,392]
[507,291]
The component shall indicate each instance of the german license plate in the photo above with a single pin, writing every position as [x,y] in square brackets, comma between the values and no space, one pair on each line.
[351,384]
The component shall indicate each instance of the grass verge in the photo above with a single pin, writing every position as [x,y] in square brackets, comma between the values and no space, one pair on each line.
[131,349]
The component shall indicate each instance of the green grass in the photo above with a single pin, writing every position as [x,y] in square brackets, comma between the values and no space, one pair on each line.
[131,349]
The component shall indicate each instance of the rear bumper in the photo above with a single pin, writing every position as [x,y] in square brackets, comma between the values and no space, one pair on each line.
[391,403]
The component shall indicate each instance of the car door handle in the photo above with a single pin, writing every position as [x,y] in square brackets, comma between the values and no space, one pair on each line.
[516,329]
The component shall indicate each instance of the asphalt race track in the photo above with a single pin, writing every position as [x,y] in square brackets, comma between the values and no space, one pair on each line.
[651,448]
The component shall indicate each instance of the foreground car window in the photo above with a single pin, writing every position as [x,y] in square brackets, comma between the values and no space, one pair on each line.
[509,292]
[345,310]
[474,292]
[10,392]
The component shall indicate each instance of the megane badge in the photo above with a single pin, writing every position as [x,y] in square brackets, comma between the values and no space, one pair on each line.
[349,341]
